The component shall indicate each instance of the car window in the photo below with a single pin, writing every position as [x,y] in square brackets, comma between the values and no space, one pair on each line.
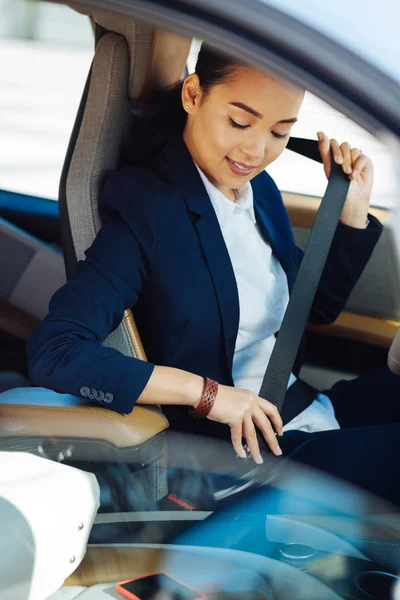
[296,174]
[46,52]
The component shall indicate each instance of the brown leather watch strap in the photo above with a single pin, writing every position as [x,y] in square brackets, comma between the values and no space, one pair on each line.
[207,401]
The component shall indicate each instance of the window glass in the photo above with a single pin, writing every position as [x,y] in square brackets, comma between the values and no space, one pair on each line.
[294,173]
[46,52]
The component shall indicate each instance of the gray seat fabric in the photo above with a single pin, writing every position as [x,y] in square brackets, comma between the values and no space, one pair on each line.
[130,59]
[126,66]
[102,131]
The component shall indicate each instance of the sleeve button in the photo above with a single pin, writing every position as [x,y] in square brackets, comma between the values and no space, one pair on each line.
[108,398]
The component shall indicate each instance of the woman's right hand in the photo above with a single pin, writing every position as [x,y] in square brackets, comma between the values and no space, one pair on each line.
[243,410]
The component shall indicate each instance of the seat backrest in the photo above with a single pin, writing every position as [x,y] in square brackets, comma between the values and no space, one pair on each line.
[131,60]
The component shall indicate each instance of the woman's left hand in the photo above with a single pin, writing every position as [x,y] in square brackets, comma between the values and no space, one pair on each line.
[360,170]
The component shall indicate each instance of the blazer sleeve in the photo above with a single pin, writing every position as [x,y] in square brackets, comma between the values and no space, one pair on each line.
[348,256]
[65,352]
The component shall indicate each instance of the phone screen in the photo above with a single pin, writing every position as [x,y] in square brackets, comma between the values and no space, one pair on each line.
[159,587]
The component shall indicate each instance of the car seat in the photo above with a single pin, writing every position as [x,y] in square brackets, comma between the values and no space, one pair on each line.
[131,59]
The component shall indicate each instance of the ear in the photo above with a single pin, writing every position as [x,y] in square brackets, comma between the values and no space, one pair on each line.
[191,93]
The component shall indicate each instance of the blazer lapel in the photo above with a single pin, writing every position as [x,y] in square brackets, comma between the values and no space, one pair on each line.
[266,220]
[185,175]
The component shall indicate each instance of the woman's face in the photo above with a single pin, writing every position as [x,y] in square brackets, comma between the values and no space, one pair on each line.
[240,126]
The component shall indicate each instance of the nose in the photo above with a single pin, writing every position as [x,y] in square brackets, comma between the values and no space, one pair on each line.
[254,148]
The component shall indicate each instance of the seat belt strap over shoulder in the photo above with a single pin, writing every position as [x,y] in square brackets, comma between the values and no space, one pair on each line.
[275,381]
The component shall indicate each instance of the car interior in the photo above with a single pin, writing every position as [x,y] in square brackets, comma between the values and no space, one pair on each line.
[40,242]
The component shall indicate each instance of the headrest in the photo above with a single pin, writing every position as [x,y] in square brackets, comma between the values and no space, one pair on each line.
[157,56]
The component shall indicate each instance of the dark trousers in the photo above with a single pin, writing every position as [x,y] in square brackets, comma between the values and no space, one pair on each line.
[366,451]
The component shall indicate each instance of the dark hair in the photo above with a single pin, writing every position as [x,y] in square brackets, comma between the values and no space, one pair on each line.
[163,112]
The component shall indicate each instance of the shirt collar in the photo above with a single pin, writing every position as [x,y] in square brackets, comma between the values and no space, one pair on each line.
[225,208]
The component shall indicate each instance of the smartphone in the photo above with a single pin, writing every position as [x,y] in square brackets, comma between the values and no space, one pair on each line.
[158,586]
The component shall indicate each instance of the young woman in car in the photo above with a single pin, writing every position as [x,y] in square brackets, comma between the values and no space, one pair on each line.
[196,238]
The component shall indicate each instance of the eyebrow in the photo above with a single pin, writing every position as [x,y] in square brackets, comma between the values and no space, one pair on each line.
[257,114]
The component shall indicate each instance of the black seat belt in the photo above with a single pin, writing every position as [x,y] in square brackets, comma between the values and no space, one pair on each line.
[274,385]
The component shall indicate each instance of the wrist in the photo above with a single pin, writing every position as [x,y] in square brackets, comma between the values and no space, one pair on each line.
[171,386]
[355,215]
[356,224]
[206,403]
[358,221]
[193,391]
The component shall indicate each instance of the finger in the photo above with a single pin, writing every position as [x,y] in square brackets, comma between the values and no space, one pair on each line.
[336,151]
[264,425]
[355,153]
[359,165]
[249,433]
[346,154]
[236,437]
[273,414]
[324,146]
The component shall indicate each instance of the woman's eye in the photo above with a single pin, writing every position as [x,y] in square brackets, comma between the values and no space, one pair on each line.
[234,124]
[280,136]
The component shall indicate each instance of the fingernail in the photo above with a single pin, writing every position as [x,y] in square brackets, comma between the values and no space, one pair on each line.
[259,460]
[339,159]
[319,136]
[242,454]
[348,169]
[278,451]
[355,174]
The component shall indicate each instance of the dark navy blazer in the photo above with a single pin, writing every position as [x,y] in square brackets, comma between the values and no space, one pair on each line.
[162,252]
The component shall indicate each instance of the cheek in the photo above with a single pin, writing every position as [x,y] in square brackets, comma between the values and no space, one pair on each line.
[272,153]
[214,137]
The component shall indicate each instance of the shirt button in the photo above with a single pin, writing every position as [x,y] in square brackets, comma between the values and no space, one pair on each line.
[108,398]
[85,391]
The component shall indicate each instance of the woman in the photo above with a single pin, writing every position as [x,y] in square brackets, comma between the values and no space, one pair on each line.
[208,261]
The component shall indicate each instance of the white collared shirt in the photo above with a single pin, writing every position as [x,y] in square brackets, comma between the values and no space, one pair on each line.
[263,298]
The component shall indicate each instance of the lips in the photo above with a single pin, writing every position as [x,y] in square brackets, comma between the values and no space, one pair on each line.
[239,168]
